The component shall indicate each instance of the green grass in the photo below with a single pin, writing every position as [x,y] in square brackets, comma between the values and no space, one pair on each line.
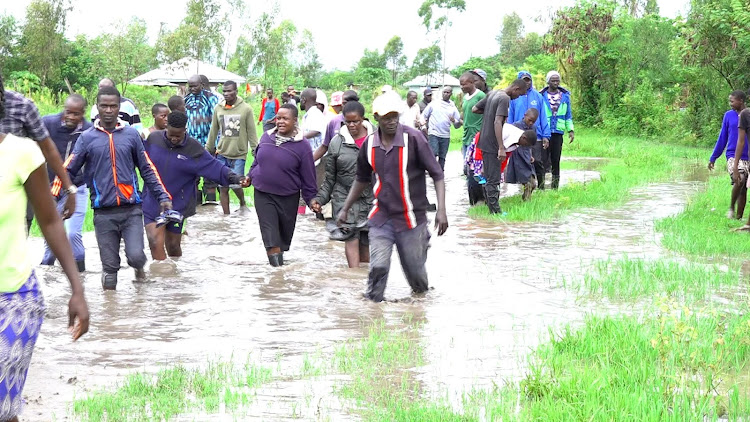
[631,162]
[632,279]
[703,227]
[174,391]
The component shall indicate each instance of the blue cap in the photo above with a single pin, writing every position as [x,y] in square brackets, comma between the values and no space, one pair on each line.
[524,73]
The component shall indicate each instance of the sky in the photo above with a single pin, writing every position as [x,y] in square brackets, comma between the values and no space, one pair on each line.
[342,30]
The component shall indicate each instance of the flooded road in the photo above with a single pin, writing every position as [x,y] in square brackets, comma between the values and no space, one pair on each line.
[497,287]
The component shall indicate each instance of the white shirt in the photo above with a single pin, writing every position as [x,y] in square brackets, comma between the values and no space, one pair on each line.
[314,121]
[412,117]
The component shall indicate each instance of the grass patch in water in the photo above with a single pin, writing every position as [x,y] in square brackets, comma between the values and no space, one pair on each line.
[632,162]
[174,391]
[631,279]
[703,227]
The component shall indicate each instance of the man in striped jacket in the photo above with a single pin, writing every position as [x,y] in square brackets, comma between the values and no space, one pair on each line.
[398,157]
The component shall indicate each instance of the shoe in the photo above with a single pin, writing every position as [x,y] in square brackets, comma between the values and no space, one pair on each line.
[81,266]
[276,260]
[555,182]
[109,281]
[140,275]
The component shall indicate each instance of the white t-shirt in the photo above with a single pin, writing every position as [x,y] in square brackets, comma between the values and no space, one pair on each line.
[411,116]
[314,121]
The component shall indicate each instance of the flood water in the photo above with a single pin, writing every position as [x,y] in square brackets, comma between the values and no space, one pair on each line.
[497,287]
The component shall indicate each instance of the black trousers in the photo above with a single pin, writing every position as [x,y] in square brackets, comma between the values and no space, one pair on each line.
[277,217]
[112,225]
[492,175]
[555,152]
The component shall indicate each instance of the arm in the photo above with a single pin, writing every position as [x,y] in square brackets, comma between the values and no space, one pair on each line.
[262,107]
[569,120]
[210,168]
[252,134]
[320,152]
[324,193]
[479,107]
[721,143]
[499,122]
[211,141]
[544,129]
[54,233]
[457,123]
[427,161]
[426,115]
[307,175]
[364,179]
[150,175]
[277,107]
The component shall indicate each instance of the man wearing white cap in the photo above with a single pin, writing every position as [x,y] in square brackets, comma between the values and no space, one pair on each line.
[398,156]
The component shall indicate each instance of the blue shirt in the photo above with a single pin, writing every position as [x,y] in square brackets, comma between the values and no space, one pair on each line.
[269,112]
[65,141]
[200,111]
[728,137]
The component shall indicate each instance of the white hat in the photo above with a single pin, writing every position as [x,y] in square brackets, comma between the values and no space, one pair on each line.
[321,97]
[389,102]
[386,88]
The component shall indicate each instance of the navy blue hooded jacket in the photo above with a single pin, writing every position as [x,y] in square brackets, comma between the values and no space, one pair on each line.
[65,140]
[532,99]
[180,166]
[110,160]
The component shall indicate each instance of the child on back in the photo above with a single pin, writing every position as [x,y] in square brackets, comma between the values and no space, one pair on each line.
[520,164]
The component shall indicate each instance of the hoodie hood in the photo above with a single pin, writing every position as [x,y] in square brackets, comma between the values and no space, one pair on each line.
[344,131]
[237,102]
[563,90]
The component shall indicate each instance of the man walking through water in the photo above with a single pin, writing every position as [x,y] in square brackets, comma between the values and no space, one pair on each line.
[495,108]
[111,151]
[439,116]
[199,107]
[398,156]
[728,139]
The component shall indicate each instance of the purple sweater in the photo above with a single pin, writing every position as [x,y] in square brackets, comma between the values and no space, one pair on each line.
[285,169]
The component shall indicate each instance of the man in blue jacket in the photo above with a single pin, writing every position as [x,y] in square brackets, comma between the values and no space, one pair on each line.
[181,160]
[728,139]
[111,151]
[518,107]
[560,118]
[64,129]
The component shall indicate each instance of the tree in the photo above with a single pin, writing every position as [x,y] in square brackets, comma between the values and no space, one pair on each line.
[443,8]
[515,44]
[428,61]
[309,62]
[393,53]
[42,41]
[85,63]
[511,31]
[8,40]
[372,59]
[199,35]
[128,52]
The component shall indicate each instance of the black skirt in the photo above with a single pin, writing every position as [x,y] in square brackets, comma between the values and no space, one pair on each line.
[277,216]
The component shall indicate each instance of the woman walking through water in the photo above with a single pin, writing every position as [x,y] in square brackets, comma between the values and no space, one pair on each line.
[282,168]
[23,175]
[341,171]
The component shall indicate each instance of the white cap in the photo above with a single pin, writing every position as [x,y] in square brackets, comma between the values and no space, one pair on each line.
[321,97]
[386,88]
[389,102]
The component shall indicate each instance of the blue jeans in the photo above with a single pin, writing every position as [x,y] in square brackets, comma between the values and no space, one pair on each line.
[236,165]
[439,148]
[73,226]
[412,248]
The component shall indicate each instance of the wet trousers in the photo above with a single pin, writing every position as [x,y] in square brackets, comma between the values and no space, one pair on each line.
[120,223]
[555,152]
[492,175]
[541,157]
[73,226]
[277,217]
[412,248]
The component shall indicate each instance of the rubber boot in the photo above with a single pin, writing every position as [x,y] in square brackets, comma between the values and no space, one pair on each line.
[555,182]
[109,281]
[276,260]
[281,258]
[492,194]
[140,275]
[540,181]
[81,266]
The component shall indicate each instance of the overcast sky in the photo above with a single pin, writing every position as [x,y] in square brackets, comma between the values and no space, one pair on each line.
[342,30]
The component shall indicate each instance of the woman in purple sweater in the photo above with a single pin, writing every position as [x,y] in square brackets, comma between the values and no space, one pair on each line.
[282,168]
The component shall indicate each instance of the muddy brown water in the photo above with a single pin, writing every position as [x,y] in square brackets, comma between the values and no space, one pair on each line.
[497,287]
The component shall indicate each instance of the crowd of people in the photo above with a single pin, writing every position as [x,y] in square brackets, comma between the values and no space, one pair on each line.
[367,179]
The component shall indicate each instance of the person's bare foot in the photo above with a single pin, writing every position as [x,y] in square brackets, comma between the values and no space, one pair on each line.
[243,210]
[731,215]
[745,228]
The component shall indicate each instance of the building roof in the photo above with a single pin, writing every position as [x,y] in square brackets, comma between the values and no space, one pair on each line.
[179,72]
[433,80]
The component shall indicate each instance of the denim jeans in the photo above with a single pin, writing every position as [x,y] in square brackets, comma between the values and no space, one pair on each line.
[237,165]
[439,148]
[120,223]
[73,226]
[412,248]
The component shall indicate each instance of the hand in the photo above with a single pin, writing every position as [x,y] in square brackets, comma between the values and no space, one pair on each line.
[315,206]
[501,155]
[571,136]
[736,175]
[452,119]
[69,207]
[441,222]
[78,316]
[710,165]
[532,160]
[341,218]
[245,182]
[166,205]
[545,143]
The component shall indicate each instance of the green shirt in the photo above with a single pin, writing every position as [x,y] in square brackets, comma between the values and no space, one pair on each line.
[19,157]
[472,121]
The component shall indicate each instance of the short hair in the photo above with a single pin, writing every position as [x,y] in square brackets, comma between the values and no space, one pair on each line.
[230,83]
[739,94]
[78,98]
[175,102]
[109,82]
[292,109]
[158,106]
[412,92]
[354,107]
[269,89]
[518,84]
[204,79]
[309,93]
[177,119]
[469,74]
[285,95]
[530,136]
[107,90]
[533,112]
[350,95]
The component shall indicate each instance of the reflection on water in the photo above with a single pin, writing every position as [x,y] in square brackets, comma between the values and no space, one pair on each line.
[497,286]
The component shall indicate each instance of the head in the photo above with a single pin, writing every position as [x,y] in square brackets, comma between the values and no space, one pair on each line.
[467,83]
[411,98]
[530,116]
[205,84]
[176,103]
[737,100]
[195,86]
[160,112]
[516,89]
[285,97]
[176,127]
[108,105]
[526,77]
[286,119]
[447,93]
[553,79]
[290,89]
[354,115]
[74,110]
[230,92]
[320,100]
[528,138]
[269,93]
[106,82]
[307,99]
[386,109]
[349,95]
[337,101]
[480,80]
[427,95]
